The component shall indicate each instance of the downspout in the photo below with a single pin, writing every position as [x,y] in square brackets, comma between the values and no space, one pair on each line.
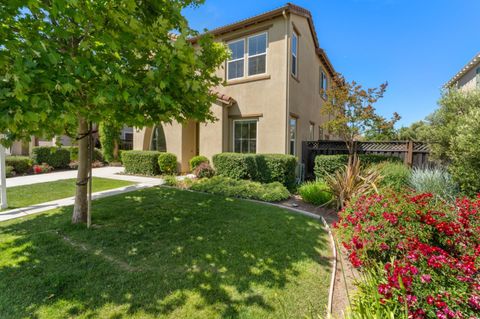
[287,82]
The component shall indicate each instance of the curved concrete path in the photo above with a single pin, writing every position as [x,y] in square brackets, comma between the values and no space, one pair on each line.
[105,172]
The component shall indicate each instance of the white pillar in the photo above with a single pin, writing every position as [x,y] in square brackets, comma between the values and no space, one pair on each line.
[3,180]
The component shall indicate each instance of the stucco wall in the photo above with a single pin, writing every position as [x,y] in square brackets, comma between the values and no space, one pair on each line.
[305,100]
[213,136]
[469,81]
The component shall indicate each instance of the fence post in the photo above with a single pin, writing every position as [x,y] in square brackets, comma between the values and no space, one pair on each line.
[409,154]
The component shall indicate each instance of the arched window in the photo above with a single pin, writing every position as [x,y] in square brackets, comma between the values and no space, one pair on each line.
[158,139]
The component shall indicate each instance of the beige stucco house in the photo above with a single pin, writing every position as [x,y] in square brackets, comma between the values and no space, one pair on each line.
[468,78]
[272,96]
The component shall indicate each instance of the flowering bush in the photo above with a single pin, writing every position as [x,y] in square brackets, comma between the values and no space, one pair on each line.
[428,252]
[44,168]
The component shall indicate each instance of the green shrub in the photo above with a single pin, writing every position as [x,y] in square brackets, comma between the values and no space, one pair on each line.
[21,164]
[230,187]
[436,181]
[109,135]
[204,170]
[264,168]
[56,157]
[276,168]
[329,164]
[197,160]
[167,163]
[170,180]
[9,171]
[235,165]
[97,154]
[395,176]
[141,162]
[316,193]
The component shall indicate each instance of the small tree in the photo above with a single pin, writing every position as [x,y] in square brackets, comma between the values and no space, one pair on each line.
[350,112]
[109,135]
[65,64]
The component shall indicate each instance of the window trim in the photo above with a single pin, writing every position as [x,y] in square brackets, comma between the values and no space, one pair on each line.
[235,60]
[256,135]
[246,57]
[311,131]
[290,138]
[294,35]
[323,79]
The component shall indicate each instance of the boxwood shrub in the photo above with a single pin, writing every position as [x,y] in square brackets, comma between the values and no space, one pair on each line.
[329,164]
[264,168]
[167,163]
[56,157]
[272,192]
[21,164]
[141,162]
[197,160]
[9,171]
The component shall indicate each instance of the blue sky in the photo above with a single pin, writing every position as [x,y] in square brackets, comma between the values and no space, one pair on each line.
[415,45]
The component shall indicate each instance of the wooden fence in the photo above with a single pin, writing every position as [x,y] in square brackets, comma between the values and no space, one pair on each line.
[414,154]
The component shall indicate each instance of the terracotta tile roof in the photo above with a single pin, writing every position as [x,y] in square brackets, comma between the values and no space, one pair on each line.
[289,7]
[463,71]
[228,100]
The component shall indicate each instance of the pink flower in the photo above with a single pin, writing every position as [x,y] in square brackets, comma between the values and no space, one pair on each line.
[426,278]
[474,302]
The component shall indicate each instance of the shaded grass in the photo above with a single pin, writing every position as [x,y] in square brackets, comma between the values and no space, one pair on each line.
[27,195]
[165,253]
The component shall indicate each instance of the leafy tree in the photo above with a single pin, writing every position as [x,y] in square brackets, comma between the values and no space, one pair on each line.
[349,108]
[66,63]
[417,131]
[382,129]
[109,135]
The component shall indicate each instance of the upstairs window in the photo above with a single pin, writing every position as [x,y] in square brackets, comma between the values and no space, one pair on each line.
[293,136]
[311,133]
[478,78]
[236,64]
[294,54]
[323,84]
[257,54]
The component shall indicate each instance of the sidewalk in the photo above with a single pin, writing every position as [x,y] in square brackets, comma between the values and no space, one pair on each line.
[106,172]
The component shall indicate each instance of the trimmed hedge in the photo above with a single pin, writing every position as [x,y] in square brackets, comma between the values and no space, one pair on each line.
[264,168]
[230,187]
[197,160]
[141,162]
[167,163]
[9,171]
[329,164]
[21,164]
[97,154]
[56,157]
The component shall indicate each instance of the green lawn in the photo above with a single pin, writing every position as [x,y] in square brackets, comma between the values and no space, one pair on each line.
[165,253]
[21,196]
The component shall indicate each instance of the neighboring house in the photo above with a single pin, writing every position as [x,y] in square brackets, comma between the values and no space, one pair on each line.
[468,78]
[272,98]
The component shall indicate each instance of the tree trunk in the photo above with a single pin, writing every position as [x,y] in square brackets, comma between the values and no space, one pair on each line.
[115,150]
[81,203]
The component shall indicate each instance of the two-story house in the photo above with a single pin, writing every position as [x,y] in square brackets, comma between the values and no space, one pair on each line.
[272,97]
[468,78]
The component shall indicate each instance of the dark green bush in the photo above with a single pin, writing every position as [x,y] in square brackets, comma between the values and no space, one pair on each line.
[56,157]
[167,163]
[97,154]
[316,193]
[141,162]
[197,160]
[395,176]
[204,170]
[276,168]
[230,187]
[264,168]
[9,171]
[21,164]
[329,164]
[235,165]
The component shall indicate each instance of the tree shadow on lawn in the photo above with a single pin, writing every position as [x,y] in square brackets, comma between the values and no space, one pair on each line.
[160,252]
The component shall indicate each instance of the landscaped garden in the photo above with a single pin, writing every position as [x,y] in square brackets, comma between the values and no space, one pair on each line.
[26,195]
[166,253]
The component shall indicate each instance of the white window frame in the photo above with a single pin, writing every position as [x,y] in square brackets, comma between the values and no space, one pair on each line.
[236,60]
[247,53]
[246,57]
[294,153]
[292,54]
[256,135]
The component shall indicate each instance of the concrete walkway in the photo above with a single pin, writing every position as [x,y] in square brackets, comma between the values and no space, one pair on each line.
[105,172]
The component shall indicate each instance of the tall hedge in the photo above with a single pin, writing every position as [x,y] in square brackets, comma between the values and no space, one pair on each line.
[20,164]
[141,162]
[97,154]
[56,157]
[265,168]
[329,164]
